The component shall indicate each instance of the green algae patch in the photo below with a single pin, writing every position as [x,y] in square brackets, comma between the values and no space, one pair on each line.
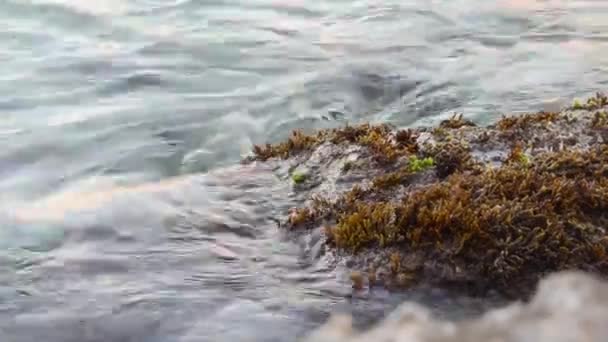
[417,164]
[577,105]
[298,178]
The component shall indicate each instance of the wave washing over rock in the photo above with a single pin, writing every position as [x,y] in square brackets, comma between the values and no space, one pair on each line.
[474,209]
[569,306]
[482,212]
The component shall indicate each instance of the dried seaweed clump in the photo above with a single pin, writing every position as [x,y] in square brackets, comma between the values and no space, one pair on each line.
[452,156]
[408,139]
[301,216]
[525,121]
[385,146]
[367,224]
[456,121]
[297,142]
[517,156]
[503,225]
[381,144]
[401,176]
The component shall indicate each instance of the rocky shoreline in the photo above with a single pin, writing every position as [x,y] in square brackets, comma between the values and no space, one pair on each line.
[476,208]
[467,208]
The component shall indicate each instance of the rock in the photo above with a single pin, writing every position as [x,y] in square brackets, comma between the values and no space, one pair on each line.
[568,307]
[553,105]
[473,208]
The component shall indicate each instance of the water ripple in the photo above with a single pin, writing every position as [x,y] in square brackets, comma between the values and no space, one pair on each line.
[122,215]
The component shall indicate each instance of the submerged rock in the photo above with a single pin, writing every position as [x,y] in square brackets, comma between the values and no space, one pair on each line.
[461,206]
[568,306]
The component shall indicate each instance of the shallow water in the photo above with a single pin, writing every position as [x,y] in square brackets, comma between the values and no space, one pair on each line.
[123,217]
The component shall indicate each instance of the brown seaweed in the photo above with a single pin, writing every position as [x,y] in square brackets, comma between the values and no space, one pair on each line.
[501,225]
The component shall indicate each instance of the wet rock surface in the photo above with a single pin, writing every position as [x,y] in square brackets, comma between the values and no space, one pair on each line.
[569,306]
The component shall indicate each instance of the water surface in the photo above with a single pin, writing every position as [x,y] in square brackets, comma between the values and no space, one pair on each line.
[123,216]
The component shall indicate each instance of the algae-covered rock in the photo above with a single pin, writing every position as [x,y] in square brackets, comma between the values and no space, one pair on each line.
[469,207]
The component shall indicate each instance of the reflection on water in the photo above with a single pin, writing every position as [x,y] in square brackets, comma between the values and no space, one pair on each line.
[124,215]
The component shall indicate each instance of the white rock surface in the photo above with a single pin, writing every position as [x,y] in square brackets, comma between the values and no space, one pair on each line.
[568,307]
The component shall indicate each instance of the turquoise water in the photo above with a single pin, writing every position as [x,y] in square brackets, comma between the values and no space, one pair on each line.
[152,95]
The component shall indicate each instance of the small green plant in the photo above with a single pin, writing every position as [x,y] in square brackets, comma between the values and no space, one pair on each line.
[524,160]
[577,105]
[298,178]
[418,165]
